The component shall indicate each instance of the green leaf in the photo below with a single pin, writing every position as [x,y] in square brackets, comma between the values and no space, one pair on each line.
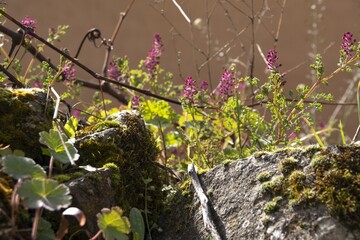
[71,127]
[137,223]
[47,193]
[22,167]
[156,112]
[44,231]
[113,225]
[53,141]
[62,156]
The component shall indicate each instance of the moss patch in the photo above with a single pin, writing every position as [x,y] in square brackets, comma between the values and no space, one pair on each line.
[128,146]
[22,117]
[333,179]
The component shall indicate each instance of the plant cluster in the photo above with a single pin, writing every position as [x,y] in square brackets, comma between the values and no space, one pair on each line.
[205,125]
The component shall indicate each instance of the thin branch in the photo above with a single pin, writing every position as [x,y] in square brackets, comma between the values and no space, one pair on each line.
[11,77]
[182,11]
[279,24]
[223,47]
[82,66]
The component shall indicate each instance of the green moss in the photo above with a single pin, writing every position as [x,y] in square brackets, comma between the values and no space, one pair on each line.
[259,154]
[227,162]
[130,149]
[337,183]
[111,165]
[287,165]
[333,180]
[274,186]
[23,95]
[185,187]
[264,176]
[105,125]
[266,220]
[297,180]
[273,205]
[22,117]
[67,177]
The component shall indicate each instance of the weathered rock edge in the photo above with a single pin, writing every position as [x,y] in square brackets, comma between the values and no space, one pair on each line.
[237,203]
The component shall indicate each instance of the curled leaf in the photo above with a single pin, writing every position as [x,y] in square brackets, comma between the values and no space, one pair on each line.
[64,223]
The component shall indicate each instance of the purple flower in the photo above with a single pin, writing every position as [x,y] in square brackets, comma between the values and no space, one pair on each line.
[30,24]
[113,71]
[153,58]
[190,89]
[37,84]
[271,61]
[227,84]
[204,86]
[135,102]
[292,136]
[69,72]
[241,87]
[348,43]
[76,113]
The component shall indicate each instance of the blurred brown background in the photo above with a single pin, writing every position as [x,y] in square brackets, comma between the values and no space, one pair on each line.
[220,29]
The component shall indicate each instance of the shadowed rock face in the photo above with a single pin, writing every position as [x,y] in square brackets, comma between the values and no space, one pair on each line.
[241,201]
[23,114]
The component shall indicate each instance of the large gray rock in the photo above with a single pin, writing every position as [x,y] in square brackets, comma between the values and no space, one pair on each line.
[238,199]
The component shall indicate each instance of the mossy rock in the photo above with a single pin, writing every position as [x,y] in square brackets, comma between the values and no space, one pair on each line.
[124,140]
[23,114]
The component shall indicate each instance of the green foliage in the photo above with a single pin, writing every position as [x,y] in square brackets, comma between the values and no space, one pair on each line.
[70,127]
[44,231]
[137,224]
[113,224]
[39,192]
[61,148]
[22,167]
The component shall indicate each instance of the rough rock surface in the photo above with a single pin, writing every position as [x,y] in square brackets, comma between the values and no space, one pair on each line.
[237,201]
[91,193]
[23,114]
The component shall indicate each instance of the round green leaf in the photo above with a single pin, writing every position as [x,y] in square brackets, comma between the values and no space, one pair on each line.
[113,225]
[22,167]
[47,193]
